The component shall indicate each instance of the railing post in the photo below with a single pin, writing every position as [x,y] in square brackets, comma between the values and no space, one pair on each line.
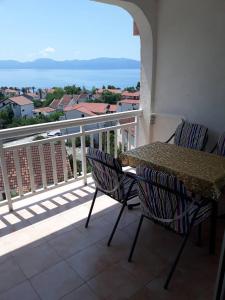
[83,154]
[136,132]
[5,177]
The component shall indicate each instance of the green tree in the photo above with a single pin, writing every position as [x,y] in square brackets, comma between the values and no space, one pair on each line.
[138,86]
[57,94]
[6,117]
[111,87]
[110,98]
[72,89]
[37,103]
[2,96]
[130,89]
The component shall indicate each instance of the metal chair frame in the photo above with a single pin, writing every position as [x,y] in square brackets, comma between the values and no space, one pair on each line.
[123,202]
[185,236]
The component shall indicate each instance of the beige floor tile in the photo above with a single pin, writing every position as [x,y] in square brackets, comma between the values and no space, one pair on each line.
[145,265]
[84,292]
[155,291]
[93,260]
[115,283]
[34,260]
[56,281]
[10,274]
[23,291]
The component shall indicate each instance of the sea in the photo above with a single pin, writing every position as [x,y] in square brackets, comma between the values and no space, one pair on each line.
[50,78]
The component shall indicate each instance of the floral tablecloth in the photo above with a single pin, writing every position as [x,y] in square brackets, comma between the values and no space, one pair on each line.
[201,172]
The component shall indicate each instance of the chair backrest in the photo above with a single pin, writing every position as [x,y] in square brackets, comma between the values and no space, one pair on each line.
[164,199]
[220,149]
[106,172]
[191,135]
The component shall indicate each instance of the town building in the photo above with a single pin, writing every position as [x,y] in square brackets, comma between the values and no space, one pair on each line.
[45,111]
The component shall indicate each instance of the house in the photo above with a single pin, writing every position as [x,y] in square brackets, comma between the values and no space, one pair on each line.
[21,106]
[80,98]
[45,111]
[54,104]
[128,104]
[32,96]
[11,92]
[131,95]
[87,110]
[99,92]
[60,104]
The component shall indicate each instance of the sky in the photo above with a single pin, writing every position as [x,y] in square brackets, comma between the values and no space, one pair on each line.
[65,29]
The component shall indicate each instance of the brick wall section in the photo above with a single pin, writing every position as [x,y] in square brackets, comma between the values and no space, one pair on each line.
[36,167]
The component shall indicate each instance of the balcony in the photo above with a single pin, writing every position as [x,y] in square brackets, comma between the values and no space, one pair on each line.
[46,253]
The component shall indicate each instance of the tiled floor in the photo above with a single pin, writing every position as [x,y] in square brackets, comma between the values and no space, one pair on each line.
[46,253]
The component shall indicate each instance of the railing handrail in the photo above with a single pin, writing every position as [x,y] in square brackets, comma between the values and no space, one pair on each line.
[39,128]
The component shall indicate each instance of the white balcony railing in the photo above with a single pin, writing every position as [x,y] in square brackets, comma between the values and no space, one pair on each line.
[32,166]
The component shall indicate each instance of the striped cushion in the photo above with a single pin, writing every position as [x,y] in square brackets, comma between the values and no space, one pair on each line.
[221,145]
[111,181]
[191,135]
[168,204]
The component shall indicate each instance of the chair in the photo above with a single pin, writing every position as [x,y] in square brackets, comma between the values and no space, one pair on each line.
[190,135]
[165,201]
[220,281]
[110,179]
[219,148]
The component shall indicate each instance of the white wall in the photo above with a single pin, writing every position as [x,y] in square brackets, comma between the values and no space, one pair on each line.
[75,114]
[27,110]
[190,72]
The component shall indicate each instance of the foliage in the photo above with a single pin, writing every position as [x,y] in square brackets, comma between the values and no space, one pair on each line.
[110,98]
[93,90]
[38,138]
[57,94]
[111,87]
[37,103]
[79,165]
[73,89]
[130,89]
[138,86]
[78,142]
[32,121]
[6,117]
[2,96]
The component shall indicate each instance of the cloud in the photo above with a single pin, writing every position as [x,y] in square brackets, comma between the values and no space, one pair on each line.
[49,50]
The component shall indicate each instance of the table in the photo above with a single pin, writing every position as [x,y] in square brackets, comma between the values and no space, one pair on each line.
[201,172]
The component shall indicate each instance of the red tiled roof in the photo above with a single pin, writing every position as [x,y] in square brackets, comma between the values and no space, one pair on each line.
[130,94]
[11,91]
[43,109]
[65,100]
[55,103]
[20,100]
[130,101]
[11,169]
[92,108]
[114,91]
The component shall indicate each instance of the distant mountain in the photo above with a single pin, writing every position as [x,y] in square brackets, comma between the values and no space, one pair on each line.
[98,63]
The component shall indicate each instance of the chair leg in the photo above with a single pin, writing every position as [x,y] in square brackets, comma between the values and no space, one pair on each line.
[92,205]
[136,237]
[116,224]
[175,262]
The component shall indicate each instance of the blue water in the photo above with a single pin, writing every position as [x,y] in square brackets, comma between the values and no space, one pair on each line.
[88,78]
